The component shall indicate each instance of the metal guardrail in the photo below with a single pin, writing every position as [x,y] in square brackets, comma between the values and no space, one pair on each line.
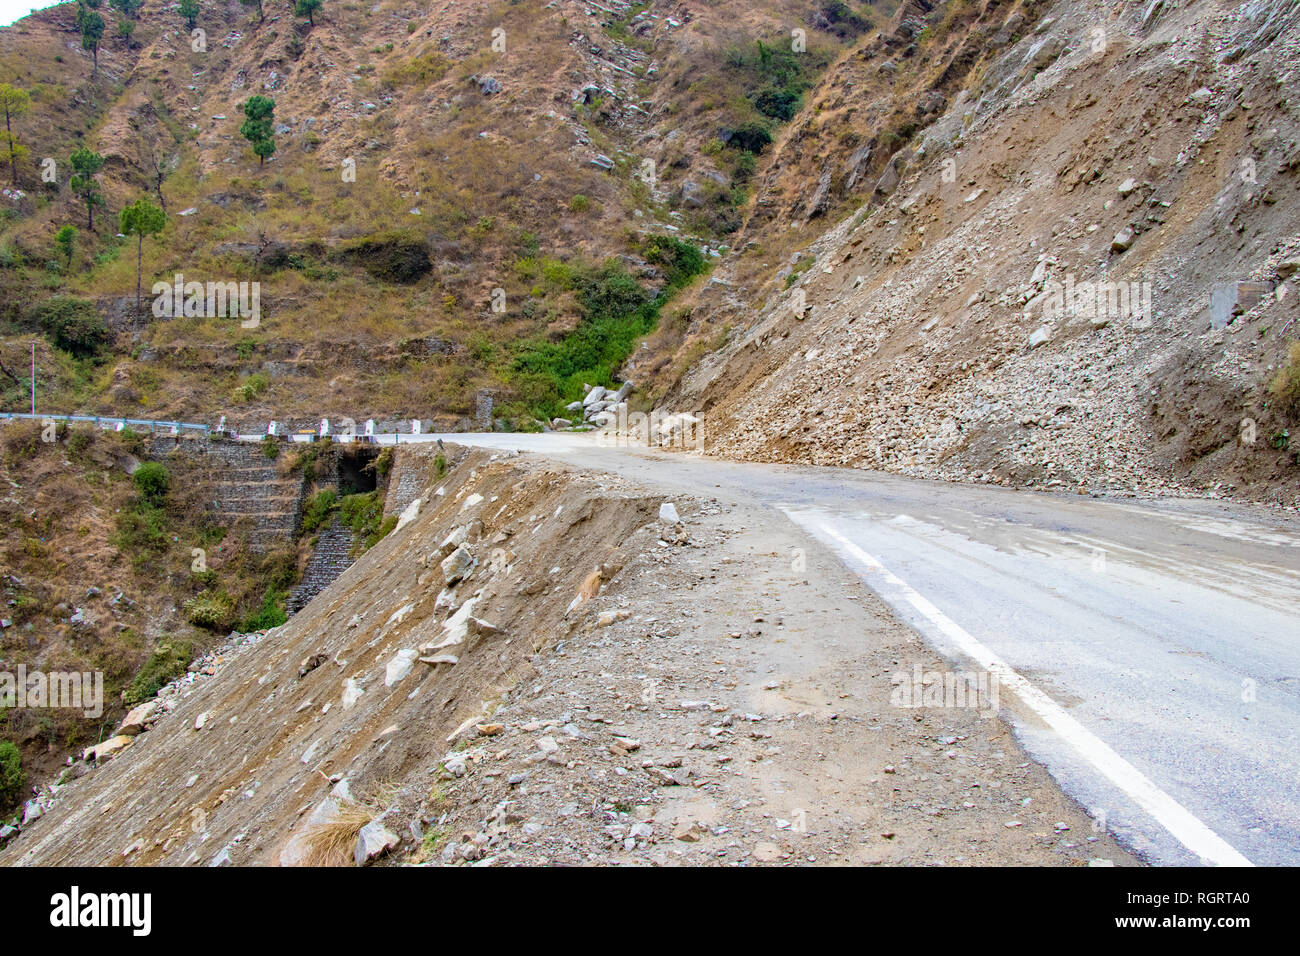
[108,421]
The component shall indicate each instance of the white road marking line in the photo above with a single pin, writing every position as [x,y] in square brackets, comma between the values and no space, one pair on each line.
[1167,811]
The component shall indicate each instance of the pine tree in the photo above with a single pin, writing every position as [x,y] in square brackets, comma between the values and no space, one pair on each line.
[307,8]
[14,102]
[91,25]
[141,218]
[256,128]
[86,164]
[64,239]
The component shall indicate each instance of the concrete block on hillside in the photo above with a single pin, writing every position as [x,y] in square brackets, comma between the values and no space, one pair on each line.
[1230,299]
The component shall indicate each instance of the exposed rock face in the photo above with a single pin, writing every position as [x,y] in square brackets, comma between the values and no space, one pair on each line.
[374,841]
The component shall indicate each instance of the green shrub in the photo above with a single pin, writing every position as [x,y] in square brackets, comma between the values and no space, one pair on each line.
[616,312]
[779,104]
[681,261]
[364,514]
[72,325]
[751,137]
[270,614]
[320,506]
[303,461]
[11,775]
[79,441]
[270,447]
[166,664]
[141,533]
[844,21]
[152,480]
[251,387]
[210,611]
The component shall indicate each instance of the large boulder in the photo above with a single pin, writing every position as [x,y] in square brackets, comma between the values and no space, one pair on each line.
[400,666]
[454,540]
[107,749]
[138,720]
[374,841]
[456,565]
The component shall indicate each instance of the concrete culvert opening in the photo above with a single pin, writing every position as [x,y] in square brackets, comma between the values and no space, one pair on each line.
[356,470]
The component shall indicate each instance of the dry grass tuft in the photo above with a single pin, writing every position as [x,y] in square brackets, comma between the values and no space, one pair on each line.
[331,844]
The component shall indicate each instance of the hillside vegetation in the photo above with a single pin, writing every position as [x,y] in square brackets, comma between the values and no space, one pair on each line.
[433,200]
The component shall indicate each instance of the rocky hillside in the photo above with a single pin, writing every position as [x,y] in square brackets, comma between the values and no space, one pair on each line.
[934,278]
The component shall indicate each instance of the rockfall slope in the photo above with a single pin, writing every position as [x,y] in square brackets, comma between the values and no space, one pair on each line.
[969,317]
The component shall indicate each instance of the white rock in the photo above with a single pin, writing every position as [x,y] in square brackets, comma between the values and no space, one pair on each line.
[668,513]
[451,659]
[352,692]
[374,841]
[400,665]
[456,565]
[454,540]
[409,514]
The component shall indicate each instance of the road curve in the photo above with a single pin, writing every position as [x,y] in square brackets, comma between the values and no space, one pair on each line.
[1148,653]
